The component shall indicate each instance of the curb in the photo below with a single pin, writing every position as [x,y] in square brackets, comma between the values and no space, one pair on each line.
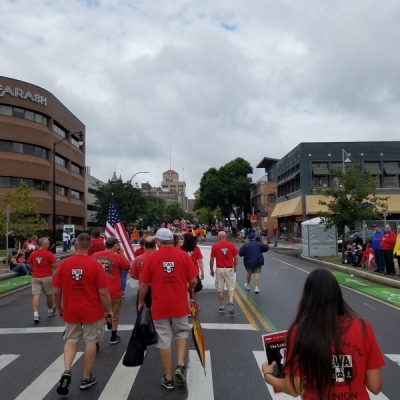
[355,272]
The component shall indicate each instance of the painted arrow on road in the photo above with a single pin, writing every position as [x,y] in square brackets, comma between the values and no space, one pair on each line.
[355,281]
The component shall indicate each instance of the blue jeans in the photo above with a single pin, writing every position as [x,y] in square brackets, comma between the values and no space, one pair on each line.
[65,246]
[21,268]
[379,260]
[275,241]
[124,274]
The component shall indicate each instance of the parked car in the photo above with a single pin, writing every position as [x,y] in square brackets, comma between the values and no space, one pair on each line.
[368,237]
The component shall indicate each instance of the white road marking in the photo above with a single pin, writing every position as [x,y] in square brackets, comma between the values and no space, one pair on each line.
[60,329]
[6,359]
[200,386]
[355,281]
[261,358]
[41,386]
[120,384]
[394,357]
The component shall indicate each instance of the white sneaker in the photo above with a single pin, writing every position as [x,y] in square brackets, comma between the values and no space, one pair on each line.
[256,290]
[247,286]
[51,312]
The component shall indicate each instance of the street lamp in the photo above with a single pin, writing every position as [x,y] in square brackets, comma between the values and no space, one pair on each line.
[80,141]
[141,172]
[345,160]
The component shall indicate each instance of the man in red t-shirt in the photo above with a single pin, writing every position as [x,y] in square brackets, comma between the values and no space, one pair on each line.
[96,242]
[42,261]
[82,300]
[225,255]
[137,266]
[169,270]
[114,262]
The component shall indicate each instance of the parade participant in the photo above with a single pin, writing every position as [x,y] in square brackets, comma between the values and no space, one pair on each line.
[114,262]
[169,271]
[253,260]
[135,236]
[331,353]
[396,250]
[388,241]
[140,250]
[96,242]
[275,235]
[82,300]
[41,262]
[376,246]
[137,266]
[29,246]
[225,255]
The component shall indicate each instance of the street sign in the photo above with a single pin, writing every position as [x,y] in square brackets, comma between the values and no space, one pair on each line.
[70,229]
[253,217]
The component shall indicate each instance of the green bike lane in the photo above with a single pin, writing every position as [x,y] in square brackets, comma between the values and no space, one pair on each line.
[377,290]
[13,283]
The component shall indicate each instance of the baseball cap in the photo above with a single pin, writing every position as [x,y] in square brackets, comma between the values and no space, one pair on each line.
[164,234]
[250,236]
[111,241]
[375,225]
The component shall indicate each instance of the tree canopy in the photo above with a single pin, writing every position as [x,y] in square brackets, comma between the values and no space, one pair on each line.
[25,219]
[353,200]
[225,188]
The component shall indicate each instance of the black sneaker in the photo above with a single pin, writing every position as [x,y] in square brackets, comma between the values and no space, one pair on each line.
[87,383]
[180,374]
[63,386]
[36,318]
[115,339]
[168,384]
[97,347]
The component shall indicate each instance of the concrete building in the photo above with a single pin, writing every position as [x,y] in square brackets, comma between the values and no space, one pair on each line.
[308,167]
[31,120]
[90,182]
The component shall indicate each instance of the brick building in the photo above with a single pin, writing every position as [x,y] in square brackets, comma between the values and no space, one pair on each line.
[31,120]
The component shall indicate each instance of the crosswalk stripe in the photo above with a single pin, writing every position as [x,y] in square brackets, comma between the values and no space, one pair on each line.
[260,357]
[200,386]
[39,388]
[6,359]
[120,384]
[394,357]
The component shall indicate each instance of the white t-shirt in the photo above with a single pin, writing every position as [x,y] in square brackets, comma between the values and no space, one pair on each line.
[65,237]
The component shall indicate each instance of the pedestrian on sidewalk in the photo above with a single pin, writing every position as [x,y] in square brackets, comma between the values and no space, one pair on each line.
[11,238]
[253,260]
[275,235]
[17,264]
[388,241]
[376,247]
[396,250]
[65,238]
[225,255]
[82,300]
[169,271]
[331,352]
[114,261]
[42,262]
[96,242]
[52,244]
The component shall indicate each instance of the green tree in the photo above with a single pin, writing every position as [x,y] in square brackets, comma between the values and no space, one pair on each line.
[174,211]
[25,219]
[130,202]
[353,200]
[154,211]
[225,188]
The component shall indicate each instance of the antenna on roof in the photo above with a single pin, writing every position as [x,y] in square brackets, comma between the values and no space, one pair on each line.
[170,162]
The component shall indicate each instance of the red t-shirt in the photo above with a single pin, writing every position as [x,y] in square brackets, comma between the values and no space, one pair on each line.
[195,255]
[224,252]
[29,246]
[138,252]
[41,260]
[138,264]
[169,270]
[96,245]
[80,279]
[112,263]
[359,353]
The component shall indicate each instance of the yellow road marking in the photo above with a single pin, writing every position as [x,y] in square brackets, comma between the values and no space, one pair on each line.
[246,313]
[255,311]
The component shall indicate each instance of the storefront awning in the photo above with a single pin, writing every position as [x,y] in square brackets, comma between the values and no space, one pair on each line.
[288,208]
[392,170]
[320,171]
[393,203]
[312,206]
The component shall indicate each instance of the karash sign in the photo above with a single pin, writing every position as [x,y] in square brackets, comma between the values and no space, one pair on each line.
[37,98]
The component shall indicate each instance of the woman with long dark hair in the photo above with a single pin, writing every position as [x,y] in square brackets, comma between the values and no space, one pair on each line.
[189,245]
[331,351]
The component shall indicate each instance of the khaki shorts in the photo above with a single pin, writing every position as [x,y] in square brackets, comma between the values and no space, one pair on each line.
[91,333]
[42,285]
[225,276]
[253,270]
[171,328]
[116,305]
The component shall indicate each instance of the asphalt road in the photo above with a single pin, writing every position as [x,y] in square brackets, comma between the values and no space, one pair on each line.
[31,362]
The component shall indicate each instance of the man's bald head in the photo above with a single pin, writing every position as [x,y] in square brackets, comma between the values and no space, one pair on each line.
[221,235]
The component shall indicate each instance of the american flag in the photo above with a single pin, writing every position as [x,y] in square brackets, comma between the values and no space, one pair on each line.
[115,227]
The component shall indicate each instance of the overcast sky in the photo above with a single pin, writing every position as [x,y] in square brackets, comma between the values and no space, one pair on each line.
[212,80]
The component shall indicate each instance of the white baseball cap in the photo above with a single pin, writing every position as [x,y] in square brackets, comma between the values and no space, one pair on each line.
[164,234]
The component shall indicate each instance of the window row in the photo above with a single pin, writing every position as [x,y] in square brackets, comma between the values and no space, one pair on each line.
[60,131]
[60,160]
[24,148]
[382,181]
[76,168]
[10,182]
[23,113]
[62,191]
[62,220]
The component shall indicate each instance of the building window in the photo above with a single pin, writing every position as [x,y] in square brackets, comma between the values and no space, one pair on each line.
[335,181]
[60,131]
[9,182]
[91,207]
[320,181]
[271,198]
[75,168]
[76,221]
[60,160]
[391,168]
[75,142]
[19,112]
[16,147]
[75,194]
[61,190]
[60,219]
[390,181]
[92,191]
[378,180]
[373,167]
